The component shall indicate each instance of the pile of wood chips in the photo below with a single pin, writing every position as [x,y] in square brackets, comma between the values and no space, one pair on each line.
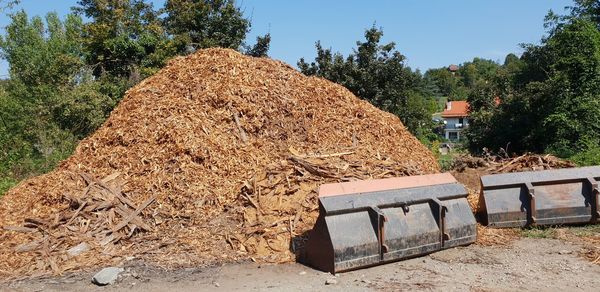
[216,158]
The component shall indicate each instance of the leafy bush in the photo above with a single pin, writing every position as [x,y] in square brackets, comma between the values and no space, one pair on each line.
[587,157]
[5,184]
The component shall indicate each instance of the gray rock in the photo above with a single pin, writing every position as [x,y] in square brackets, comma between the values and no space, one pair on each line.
[78,249]
[107,276]
[331,282]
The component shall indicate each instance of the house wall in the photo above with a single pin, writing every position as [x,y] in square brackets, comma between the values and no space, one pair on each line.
[447,134]
[451,123]
[451,127]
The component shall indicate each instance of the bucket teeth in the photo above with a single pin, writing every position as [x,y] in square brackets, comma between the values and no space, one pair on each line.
[548,197]
[366,223]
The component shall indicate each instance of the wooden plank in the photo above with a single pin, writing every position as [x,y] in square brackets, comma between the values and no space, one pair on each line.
[20,229]
[123,211]
[134,214]
[36,221]
[86,177]
[111,177]
[236,119]
[76,213]
[29,246]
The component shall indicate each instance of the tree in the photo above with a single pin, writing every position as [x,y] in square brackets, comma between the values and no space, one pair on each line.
[47,104]
[196,24]
[458,85]
[377,73]
[8,4]
[552,103]
[45,60]
[124,38]
[571,89]
[446,82]
[261,48]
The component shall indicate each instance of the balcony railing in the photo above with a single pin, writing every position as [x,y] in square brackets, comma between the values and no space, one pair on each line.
[456,126]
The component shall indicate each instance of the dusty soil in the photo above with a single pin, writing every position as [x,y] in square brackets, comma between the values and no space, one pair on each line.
[526,264]
[470,177]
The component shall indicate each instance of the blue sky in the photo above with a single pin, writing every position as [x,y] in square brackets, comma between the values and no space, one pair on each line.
[430,33]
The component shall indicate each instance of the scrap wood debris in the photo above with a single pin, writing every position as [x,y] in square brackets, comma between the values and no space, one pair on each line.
[503,164]
[98,218]
[529,162]
[219,157]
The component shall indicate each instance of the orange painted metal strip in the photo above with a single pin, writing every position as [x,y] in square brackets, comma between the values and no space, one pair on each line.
[376,185]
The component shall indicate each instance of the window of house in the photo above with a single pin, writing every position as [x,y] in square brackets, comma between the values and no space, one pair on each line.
[453,136]
[460,120]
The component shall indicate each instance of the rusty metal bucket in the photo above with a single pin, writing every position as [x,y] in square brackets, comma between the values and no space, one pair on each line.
[548,197]
[367,223]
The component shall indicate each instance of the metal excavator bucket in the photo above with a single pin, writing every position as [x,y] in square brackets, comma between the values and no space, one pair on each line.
[367,223]
[548,197]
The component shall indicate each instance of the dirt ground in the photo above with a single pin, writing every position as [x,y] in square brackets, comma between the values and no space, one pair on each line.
[527,264]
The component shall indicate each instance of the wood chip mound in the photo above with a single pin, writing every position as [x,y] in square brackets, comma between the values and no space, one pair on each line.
[216,158]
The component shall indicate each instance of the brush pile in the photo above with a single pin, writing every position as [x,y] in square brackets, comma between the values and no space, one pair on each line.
[216,158]
[529,162]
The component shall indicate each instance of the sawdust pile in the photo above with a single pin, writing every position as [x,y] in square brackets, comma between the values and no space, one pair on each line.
[216,158]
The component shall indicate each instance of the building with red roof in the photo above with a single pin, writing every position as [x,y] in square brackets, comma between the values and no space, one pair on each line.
[456,119]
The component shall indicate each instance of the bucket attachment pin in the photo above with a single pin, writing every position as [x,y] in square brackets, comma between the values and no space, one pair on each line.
[381,219]
[441,210]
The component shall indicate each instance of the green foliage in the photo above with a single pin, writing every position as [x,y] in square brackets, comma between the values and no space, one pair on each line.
[6,183]
[444,82]
[83,109]
[261,48]
[45,64]
[377,73]
[202,24]
[446,162]
[458,85]
[539,232]
[550,97]
[123,38]
[587,157]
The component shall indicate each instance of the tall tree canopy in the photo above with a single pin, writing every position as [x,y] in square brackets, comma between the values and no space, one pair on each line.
[196,24]
[46,66]
[458,85]
[261,48]
[546,95]
[123,37]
